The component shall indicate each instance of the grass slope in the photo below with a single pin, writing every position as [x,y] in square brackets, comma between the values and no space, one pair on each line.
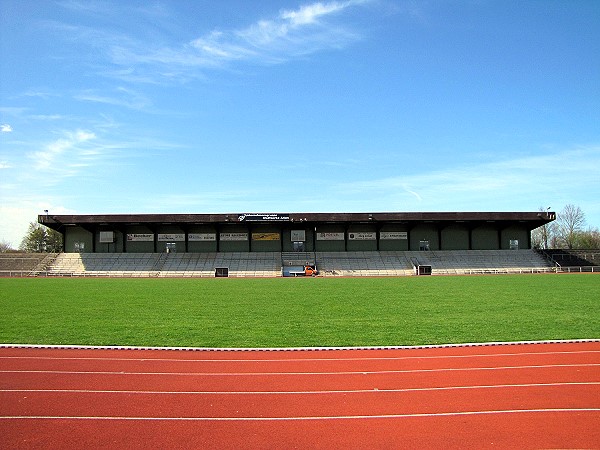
[299,312]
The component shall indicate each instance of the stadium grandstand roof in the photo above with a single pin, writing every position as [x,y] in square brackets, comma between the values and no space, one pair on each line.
[533,219]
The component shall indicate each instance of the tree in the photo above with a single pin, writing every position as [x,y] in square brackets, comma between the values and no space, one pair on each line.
[570,223]
[6,247]
[566,232]
[588,239]
[542,237]
[40,239]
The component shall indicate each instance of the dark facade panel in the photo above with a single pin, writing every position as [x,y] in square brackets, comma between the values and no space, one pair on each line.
[143,233]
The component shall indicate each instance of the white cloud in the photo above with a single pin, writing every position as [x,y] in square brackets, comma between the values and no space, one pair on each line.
[125,97]
[16,216]
[309,14]
[44,159]
[520,183]
[5,128]
[39,94]
[289,34]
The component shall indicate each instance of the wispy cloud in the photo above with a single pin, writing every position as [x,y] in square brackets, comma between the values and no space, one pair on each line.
[287,35]
[526,180]
[290,34]
[122,96]
[39,94]
[71,142]
[5,128]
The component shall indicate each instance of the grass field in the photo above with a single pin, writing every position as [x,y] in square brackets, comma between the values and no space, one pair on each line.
[299,312]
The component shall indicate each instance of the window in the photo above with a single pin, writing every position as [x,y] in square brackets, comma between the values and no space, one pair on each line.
[298,246]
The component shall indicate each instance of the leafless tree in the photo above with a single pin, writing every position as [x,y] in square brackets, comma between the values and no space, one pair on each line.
[5,247]
[542,237]
[570,223]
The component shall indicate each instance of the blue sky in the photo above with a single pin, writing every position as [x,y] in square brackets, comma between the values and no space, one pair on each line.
[194,106]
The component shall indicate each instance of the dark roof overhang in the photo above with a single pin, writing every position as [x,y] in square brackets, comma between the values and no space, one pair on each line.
[531,219]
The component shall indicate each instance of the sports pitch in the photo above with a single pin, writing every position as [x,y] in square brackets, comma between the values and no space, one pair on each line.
[312,312]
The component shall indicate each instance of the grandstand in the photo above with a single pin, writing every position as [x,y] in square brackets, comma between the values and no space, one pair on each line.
[25,264]
[275,244]
[273,264]
[572,260]
[166,264]
[310,232]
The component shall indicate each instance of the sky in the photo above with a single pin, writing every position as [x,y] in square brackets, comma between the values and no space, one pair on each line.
[236,106]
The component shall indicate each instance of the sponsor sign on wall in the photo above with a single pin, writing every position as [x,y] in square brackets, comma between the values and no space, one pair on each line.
[265,236]
[393,235]
[233,236]
[362,236]
[330,236]
[202,237]
[170,237]
[264,218]
[298,236]
[147,237]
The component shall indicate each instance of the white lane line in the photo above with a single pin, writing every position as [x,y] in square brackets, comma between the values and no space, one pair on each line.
[263,374]
[320,392]
[236,360]
[270,419]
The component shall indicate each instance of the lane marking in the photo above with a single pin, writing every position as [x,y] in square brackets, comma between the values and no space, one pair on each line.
[383,358]
[302,418]
[320,392]
[242,374]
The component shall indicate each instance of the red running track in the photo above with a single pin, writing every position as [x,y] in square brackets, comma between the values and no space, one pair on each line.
[500,396]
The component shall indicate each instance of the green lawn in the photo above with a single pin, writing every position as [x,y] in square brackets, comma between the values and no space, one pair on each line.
[299,312]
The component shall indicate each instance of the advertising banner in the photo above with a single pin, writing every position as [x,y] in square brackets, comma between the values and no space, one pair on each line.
[362,236]
[330,236]
[233,236]
[148,237]
[264,218]
[164,237]
[202,237]
[393,235]
[265,236]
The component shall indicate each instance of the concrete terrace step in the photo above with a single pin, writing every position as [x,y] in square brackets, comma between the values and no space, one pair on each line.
[270,264]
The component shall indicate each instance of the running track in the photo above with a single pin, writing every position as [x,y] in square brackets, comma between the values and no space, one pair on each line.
[501,396]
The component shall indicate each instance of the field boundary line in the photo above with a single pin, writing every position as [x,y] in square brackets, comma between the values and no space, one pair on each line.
[281,349]
[296,360]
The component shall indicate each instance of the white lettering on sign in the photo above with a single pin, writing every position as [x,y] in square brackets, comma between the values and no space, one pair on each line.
[233,236]
[393,235]
[199,237]
[140,237]
[330,236]
[264,217]
[162,237]
[362,236]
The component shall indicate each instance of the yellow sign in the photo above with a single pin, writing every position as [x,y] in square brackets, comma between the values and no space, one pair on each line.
[265,236]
